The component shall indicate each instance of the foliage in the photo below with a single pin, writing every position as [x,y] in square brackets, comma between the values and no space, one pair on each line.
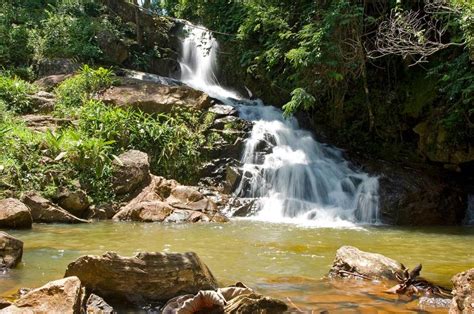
[77,89]
[15,93]
[300,99]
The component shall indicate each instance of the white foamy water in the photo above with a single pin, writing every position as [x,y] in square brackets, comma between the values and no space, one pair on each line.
[293,178]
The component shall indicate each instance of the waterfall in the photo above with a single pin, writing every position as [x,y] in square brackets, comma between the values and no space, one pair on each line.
[292,177]
[469,219]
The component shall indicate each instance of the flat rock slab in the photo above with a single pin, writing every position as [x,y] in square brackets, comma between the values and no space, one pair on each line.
[14,214]
[11,250]
[369,265]
[144,278]
[60,296]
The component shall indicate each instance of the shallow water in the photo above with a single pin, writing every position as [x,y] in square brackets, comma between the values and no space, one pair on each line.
[284,261]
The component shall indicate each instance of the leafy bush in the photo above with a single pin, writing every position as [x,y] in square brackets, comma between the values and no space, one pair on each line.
[74,91]
[15,92]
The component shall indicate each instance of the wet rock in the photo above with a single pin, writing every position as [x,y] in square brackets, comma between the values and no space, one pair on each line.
[463,293]
[352,262]
[143,278]
[255,303]
[48,83]
[220,111]
[227,122]
[47,67]
[59,296]
[102,212]
[43,102]
[75,202]
[14,214]
[151,211]
[155,98]
[409,196]
[214,173]
[131,172]
[96,305]
[232,179]
[240,207]
[11,251]
[45,211]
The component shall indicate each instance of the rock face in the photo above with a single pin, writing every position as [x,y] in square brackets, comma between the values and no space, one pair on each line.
[43,210]
[14,214]
[166,201]
[463,292]
[152,97]
[60,296]
[131,172]
[371,265]
[48,83]
[11,251]
[145,277]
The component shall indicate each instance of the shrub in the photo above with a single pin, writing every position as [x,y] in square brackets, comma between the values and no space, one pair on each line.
[15,92]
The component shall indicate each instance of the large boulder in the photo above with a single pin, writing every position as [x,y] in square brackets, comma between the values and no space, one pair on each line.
[143,278]
[152,97]
[463,293]
[131,172]
[47,67]
[14,214]
[60,296]
[115,50]
[350,260]
[147,211]
[11,251]
[42,210]
[48,83]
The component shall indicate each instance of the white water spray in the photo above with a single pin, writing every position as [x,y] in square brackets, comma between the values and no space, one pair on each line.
[292,177]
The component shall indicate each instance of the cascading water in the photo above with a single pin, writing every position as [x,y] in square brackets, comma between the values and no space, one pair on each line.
[292,177]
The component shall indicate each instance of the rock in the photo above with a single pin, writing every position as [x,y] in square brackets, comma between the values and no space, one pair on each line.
[186,197]
[131,172]
[47,67]
[255,303]
[221,110]
[14,214]
[412,196]
[43,102]
[11,251]
[114,49]
[143,278]
[226,123]
[48,83]
[43,123]
[463,293]
[43,210]
[96,304]
[59,296]
[241,207]
[4,303]
[103,212]
[75,202]
[152,211]
[232,179]
[151,97]
[369,265]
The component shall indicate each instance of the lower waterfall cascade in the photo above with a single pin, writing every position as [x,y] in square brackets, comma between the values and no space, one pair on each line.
[291,176]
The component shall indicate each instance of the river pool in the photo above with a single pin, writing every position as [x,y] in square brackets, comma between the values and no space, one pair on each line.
[281,260]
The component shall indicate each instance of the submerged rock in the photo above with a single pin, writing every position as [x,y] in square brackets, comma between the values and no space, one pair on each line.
[463,293]
[45,211]
[143,278]
[131,172]
[14,214]
[352,262]
[59,296]
[255,303]
[11,251]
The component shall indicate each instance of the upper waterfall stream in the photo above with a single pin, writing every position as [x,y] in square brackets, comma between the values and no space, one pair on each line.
[293,177]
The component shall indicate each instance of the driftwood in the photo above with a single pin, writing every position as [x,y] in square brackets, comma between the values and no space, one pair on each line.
[410,283]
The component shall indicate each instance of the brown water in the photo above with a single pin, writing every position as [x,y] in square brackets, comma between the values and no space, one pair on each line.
[280,260]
